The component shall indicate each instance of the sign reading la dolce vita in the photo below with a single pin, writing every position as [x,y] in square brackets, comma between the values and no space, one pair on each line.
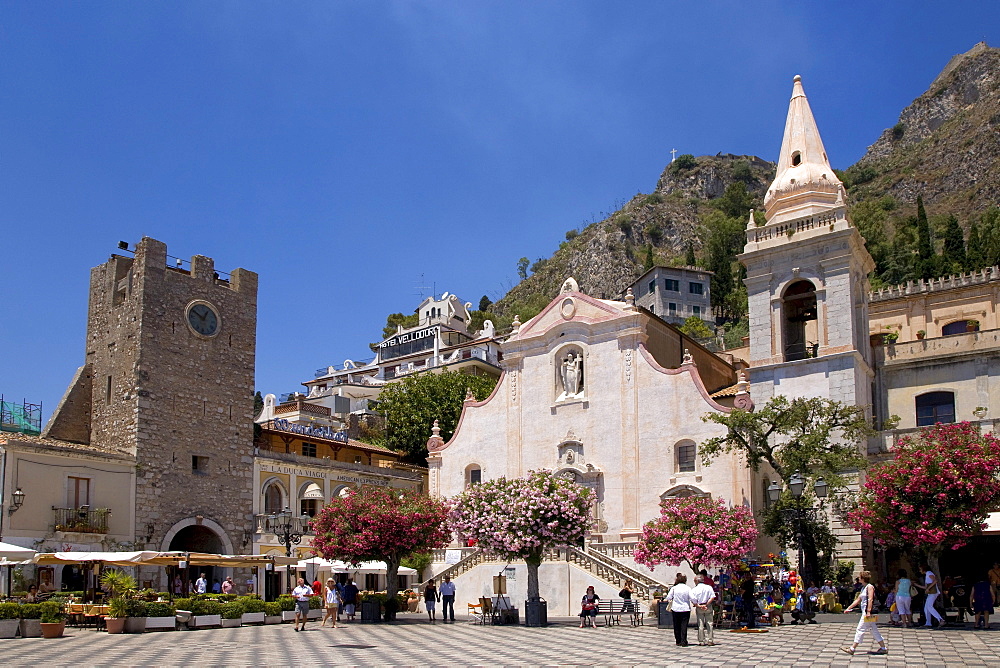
[318,431]
[317,473]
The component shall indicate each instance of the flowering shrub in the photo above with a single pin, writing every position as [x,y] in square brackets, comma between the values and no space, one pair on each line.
[375,524]
[521,517]
[698,530]
[937,491]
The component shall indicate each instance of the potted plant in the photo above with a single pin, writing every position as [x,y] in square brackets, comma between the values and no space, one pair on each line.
[10,619]
[315,608]
[272,612]
[921,334]
[232,614]
[253,609]
[31,625]
[135,617]
[287,603]
[117,611]
[972,325]
[117,582]
[206,613]
[160,615]
[53,620]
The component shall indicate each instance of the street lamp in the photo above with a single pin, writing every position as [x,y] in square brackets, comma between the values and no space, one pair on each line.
[288,529]
[16,501]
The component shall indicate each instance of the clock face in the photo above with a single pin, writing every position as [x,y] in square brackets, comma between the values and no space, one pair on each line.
[203,319]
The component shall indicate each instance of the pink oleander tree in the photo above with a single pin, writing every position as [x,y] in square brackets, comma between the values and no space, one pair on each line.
[520,518]
[697,530]
[376,524]
[936,492]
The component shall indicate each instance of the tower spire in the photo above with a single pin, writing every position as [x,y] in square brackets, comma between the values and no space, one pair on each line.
[803,168]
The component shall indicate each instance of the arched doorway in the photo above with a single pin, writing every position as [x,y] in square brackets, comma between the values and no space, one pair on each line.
[195,538]
[74,578]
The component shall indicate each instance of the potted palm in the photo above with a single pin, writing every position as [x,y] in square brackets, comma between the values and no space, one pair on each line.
[135,618]
[272,612]
[160,615]
[10,619]
[31,625]
[253,609]
[232,614]
[53,620]
[117,612]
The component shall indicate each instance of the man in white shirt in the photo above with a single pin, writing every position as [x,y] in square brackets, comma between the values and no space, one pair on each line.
[702,597]
[447,591]
[301,593]
[201,584]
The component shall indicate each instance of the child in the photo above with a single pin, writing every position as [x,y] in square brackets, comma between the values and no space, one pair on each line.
[890,603]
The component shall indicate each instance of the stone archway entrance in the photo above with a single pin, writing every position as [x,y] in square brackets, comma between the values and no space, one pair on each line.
[196,535]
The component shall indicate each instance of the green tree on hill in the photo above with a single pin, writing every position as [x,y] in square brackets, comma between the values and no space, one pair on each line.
[954,246]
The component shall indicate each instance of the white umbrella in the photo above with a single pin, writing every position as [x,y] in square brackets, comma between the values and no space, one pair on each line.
[10,552]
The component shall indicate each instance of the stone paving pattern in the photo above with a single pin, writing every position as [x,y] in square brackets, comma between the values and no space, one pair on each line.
[417,643]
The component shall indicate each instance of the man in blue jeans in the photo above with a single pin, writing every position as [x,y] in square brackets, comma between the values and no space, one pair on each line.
[447,592]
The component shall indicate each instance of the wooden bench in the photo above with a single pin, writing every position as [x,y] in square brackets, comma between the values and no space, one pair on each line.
[614,608]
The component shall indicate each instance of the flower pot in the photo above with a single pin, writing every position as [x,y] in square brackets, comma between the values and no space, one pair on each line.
[232,623]
[53,629]
[115,624]
[8,627]
[288,615]
[276,619]
[135,625]
[201,621]
[31,628]
[161,623]
[253,617]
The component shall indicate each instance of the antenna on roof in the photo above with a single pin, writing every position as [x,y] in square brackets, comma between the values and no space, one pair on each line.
[420,289]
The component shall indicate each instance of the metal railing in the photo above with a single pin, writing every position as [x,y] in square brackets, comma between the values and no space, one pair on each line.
[81,520]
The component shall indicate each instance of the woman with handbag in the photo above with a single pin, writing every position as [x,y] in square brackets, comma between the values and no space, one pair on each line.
[932,588]
[588,608]
[679,597]
[868,623]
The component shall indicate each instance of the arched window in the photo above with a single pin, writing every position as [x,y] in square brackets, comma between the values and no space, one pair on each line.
[310,499]
[959,327]
[683,492]
[800,326]
[273,499]
[934,407]
[684,454]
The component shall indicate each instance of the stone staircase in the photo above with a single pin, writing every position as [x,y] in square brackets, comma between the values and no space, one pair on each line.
[597,564]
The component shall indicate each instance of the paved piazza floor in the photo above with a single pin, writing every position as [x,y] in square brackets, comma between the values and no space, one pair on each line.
[410,643]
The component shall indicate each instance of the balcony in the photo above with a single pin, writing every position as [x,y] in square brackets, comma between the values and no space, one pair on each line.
[81,520]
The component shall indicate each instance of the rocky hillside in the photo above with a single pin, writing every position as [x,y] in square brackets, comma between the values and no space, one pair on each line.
[607,256]
[946,145]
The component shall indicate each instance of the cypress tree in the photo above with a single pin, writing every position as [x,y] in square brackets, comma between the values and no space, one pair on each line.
[975,256]
[954,245]
[689,258]
[924,247]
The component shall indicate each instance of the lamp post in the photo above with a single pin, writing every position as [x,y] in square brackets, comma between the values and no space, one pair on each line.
[797,485]
[288,529]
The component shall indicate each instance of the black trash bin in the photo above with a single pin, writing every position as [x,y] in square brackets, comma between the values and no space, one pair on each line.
[536,612]
[664,618]
[371,612]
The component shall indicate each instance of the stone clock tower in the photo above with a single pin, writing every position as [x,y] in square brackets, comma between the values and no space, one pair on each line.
[169,379]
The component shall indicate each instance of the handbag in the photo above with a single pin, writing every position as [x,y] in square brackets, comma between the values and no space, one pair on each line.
[913,591]
[871,618]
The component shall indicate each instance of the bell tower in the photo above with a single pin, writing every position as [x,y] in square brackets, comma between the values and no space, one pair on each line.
[807,277]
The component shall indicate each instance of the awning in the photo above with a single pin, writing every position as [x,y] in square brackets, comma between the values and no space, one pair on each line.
[313,491]
[321,565]
[10,552]
[162,559]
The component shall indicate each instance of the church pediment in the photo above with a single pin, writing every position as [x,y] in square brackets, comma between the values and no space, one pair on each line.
[570,307]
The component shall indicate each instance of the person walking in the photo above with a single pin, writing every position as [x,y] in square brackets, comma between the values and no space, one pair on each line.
[904,597]
[201,585]
[431,597]
[982,601]
[866,600]
[703,597]
[331,598]
[350,598]
[302,593]
[447,592]
[932,588]
[679,597]
[748,600]
[626,596]
[178,585]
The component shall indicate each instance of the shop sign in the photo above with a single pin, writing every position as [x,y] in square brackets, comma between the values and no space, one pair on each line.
[316,431]
[409,336]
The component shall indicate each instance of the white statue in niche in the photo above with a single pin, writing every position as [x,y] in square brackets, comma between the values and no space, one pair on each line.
[571,373]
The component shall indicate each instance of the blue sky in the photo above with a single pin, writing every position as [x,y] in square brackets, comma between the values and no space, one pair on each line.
[351,152]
